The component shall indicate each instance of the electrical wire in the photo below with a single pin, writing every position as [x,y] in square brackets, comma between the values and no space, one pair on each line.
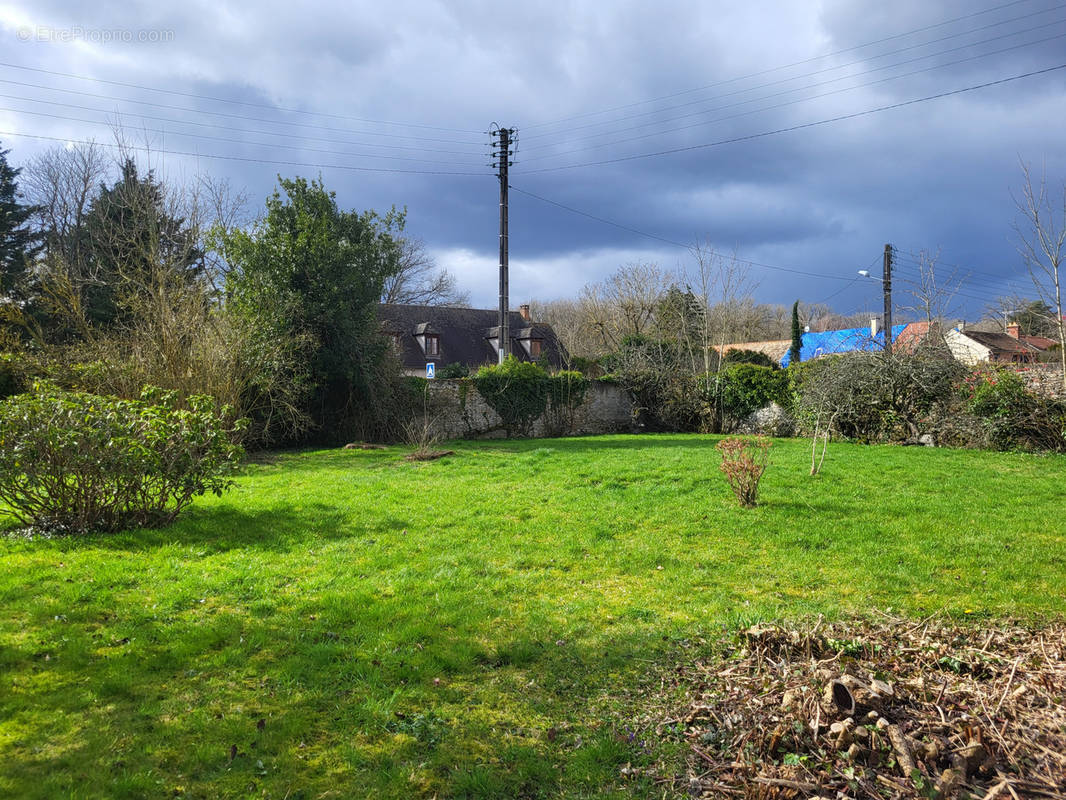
[645,234]
[785,104]
[243,117]
[227,140]
[779,68]
[828,69]
[230,100]
[272,162]
[166,132]
[802,126]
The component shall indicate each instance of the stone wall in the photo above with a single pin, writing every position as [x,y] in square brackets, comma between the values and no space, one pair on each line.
[1045,379]
[457,411]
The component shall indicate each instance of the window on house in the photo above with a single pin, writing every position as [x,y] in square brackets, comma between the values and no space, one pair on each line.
[432,345]
[534,348]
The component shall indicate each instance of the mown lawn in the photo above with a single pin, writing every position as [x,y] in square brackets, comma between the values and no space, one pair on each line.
[349,624]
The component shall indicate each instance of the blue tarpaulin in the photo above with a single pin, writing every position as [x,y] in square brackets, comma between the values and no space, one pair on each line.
[843,341]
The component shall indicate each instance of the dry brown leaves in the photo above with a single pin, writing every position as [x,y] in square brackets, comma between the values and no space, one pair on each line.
[940,711]
[428,455]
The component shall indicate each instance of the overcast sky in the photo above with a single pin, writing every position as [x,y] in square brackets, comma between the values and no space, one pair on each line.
[595,90]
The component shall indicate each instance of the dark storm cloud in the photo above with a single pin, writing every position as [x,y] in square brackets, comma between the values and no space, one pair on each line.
[820,199]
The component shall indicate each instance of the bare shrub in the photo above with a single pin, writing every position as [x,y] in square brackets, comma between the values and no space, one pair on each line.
[744,460]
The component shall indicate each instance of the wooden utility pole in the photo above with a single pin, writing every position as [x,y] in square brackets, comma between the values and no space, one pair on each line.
[887,285]
[502,153]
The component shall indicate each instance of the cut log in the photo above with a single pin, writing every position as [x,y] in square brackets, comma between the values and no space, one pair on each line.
[904,755]
[851,696]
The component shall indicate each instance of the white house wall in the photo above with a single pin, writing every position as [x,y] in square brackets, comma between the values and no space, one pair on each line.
[965,349]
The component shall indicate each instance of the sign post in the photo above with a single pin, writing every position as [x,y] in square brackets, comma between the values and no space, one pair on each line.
[431,370]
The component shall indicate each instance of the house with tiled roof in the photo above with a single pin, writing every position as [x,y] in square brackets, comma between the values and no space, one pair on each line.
[977,347]
[444,335]
[1041,343]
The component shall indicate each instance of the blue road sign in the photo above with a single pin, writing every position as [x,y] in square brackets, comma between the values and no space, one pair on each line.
[431,370]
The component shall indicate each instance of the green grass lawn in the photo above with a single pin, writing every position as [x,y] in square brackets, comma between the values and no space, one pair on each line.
[480,626]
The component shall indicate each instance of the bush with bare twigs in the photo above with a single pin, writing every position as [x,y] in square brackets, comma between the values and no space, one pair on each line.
[743,462]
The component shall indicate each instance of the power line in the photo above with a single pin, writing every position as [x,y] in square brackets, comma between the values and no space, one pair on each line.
[273,162]
[802,126]
[639,232]
[829,69]
[243,117]
[241,141]
[230,100]
[787,103]
[915,259]
[779,68]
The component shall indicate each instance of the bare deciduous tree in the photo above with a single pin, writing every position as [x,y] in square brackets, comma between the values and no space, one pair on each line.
[1041,237]
[571,324]
[418,281]
[723,287]
[624,304]
[62,182]
[933,292]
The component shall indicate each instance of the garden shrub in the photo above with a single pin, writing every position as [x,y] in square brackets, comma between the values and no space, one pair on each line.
[567,390]
[453,371]
[1014,417]
[10,375]
[77,462]
[876,397]
[744,460]
[658,376]
[749,357]
[517,391]
[742,389]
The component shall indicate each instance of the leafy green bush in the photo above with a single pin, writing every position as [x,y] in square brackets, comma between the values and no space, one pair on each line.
[1014,417]
[76,462]
[749,357]
[516,390]
[451,371]
[744,388]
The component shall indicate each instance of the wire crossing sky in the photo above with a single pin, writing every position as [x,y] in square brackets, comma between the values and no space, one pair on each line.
[801,140]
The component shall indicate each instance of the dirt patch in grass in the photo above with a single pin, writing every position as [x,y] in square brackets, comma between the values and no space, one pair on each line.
[878,710]
[428,455]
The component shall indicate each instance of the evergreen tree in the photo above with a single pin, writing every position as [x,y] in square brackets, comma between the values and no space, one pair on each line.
[18,241]
[134,243]
[313,272]
[797,336]
[1034,318]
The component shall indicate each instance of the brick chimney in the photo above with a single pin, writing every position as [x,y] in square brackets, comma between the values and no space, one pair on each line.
[524,311]
[1013,330]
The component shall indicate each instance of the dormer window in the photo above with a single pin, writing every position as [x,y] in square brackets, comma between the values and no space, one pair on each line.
[428,339]
[530,341]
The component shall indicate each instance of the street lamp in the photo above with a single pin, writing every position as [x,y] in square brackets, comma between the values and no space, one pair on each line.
[886,283]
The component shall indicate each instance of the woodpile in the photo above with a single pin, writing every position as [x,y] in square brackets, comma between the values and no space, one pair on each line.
[887,710]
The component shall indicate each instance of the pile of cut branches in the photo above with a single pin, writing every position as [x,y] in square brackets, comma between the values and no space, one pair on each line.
[892,709]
